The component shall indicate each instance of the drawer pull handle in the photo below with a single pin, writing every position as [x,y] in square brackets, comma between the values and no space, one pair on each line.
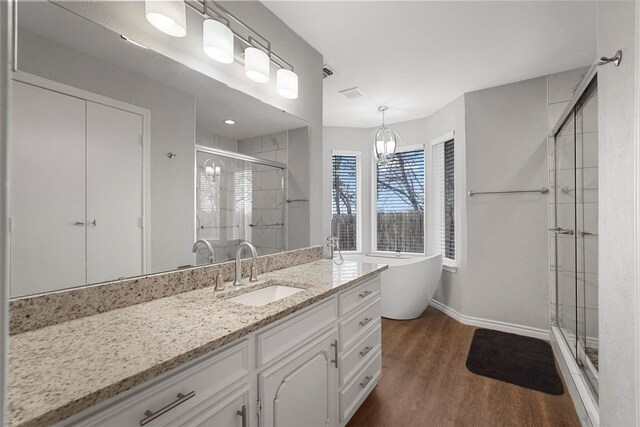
[150,416]
[334,344]
[243,414]
[366,350]
[365,321]
[365,294]
[364,383]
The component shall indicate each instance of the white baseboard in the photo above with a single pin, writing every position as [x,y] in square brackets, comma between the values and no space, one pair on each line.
[491,324]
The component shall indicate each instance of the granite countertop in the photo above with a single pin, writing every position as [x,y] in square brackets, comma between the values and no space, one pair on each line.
[59,370]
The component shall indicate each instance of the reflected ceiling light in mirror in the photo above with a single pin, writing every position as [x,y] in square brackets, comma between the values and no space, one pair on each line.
[169,16]
[287,83]
[217,41]
[256,65]
[230,122]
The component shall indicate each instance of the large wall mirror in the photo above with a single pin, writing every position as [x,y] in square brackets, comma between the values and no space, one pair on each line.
[121,159]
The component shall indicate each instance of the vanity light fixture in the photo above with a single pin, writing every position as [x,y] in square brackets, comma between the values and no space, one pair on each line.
[229,122]
[287,83]
[385,140]
[217,41]
[256,64]
[169,16]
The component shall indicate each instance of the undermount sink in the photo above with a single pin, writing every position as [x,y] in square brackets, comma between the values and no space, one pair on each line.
[264,296]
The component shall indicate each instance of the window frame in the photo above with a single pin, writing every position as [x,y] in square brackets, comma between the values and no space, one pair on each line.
[358,156]
[374,204]
[448,264]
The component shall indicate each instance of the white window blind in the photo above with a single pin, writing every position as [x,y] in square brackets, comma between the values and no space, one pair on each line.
[400,203]
[442,200]
[345,197]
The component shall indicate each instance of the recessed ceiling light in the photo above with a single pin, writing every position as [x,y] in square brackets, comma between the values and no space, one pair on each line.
[230,122]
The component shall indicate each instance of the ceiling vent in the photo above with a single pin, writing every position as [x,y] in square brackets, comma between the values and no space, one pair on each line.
[327,71]
[352,93]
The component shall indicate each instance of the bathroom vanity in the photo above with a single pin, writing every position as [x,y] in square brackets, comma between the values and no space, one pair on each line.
[199,358]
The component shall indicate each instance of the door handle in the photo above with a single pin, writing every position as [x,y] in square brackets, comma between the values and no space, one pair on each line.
[365,321]
[365,294]
[180,398]
[560,230]
[364,383]
[243,414]
[78,223]
[94,223]
[366,350]
[334,344]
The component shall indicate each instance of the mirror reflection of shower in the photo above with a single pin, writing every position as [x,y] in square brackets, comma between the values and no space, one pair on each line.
[238,198]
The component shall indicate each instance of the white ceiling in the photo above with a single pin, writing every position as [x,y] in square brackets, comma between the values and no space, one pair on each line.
[417,56]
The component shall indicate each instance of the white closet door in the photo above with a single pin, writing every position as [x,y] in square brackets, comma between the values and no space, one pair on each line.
[114,193]
[47,146]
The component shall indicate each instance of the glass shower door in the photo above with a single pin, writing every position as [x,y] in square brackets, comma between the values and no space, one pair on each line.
[238,200]
[576,233]
[587,233]
[564,233]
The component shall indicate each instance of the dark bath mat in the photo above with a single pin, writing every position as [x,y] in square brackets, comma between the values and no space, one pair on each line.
[527,362]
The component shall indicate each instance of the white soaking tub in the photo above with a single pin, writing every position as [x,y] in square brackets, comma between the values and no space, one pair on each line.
[408,285]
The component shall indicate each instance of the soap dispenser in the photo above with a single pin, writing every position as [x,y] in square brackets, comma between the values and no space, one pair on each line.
[219,283]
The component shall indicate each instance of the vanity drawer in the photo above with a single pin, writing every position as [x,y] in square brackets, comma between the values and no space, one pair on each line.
[359,354]
[178,394]
[354,327]
[285,337]
[361,385]
[353,299]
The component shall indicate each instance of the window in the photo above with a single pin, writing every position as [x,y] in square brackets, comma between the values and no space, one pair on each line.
[442,230]
[345,197]
[400,203]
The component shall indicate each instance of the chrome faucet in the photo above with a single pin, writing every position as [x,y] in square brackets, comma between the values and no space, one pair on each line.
[254,255]
[208,246]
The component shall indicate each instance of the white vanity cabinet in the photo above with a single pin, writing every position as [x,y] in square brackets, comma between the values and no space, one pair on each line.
[301,387]
[313,368]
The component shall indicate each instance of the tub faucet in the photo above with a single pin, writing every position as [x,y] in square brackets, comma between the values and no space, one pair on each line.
[254,255]
[333,242]
[207,245]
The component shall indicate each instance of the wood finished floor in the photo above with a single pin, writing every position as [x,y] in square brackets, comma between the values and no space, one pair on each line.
[425,382]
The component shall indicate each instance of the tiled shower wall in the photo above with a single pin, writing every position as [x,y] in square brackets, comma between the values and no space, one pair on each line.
[561,87]
[268,208]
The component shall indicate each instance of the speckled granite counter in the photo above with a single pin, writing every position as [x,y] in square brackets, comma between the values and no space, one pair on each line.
[59,370]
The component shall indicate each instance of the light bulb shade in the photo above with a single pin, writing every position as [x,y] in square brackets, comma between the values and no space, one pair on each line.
[385,143]
[287,83]
[169,16]
[256,65]
[217,41]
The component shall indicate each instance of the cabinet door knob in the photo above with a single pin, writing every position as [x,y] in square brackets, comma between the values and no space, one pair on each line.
[364,294]
[243,414]
[78,223]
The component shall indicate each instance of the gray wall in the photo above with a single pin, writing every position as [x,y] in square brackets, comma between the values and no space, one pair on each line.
[506,143]
[172,130]
[452,118]
[618,150]
[129,18]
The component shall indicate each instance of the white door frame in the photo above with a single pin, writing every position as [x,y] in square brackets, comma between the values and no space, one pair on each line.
[21,76]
